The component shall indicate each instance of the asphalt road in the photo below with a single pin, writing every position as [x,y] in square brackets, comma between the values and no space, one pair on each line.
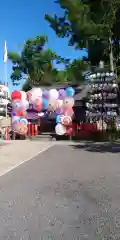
[67,192]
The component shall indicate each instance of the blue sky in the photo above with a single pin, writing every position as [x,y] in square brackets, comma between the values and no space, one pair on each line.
[24,19]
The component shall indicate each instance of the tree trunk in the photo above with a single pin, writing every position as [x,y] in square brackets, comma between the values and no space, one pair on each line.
[111,56]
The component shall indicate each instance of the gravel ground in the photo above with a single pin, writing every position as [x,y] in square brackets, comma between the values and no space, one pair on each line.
[67,192]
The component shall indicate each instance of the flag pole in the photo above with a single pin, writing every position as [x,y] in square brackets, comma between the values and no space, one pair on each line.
[5,72]
[6,84]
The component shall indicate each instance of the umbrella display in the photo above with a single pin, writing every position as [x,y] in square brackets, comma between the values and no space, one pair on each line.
[37,104]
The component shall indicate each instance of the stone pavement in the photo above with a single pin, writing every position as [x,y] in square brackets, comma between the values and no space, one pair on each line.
[14,153]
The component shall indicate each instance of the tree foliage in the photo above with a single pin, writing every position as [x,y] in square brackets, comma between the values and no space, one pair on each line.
[35,62]
[35,65]
[74,71]
[88,24]
[26,86]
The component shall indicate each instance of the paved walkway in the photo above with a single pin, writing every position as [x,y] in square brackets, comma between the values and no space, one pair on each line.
[66,193]
[14,153]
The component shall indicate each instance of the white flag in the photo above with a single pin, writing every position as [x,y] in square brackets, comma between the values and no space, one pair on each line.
[5,52]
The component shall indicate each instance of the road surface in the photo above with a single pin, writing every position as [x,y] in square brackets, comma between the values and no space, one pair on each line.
[67,192]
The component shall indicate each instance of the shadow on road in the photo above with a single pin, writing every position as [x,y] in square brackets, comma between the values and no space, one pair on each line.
[101,147]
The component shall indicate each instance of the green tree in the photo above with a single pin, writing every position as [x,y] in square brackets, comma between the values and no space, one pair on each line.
[87,24]
[35,63]
[26,86]
[74,71]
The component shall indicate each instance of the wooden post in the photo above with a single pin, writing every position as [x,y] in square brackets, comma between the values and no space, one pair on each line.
[13,135]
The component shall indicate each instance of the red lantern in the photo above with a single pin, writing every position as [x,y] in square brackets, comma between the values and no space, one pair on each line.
[16,95]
